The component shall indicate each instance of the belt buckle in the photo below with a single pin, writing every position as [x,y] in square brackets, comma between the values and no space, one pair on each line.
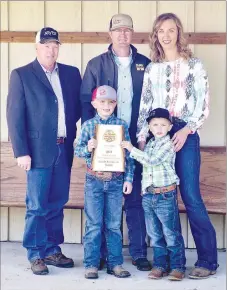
[163,189]
[158,192]
[106,176]
[151,189]
[167,188]
[60,140]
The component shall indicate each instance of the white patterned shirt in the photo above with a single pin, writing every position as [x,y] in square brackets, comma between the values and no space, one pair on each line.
[179,86]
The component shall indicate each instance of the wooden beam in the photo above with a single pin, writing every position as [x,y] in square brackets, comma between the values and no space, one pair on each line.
[103,37]
[212,180]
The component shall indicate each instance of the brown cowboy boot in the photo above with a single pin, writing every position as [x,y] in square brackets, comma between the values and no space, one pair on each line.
[119,272]
[200,273]
[157,273]
[176,275]
[91,273]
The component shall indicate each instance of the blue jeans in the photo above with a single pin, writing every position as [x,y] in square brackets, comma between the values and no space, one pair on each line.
[163,227]
[135,218]
[103,209]
[47,192]
[188,169]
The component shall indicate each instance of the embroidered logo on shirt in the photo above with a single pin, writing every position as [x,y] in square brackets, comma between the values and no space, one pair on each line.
[139,66]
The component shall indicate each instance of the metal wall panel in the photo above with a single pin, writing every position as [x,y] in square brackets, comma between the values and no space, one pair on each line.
[20,54]
[70,53]
[63,15]
[26,15]
[4,223]
[4,15]
[16,224]
[72,226]
[4,79]
[214,60]
[96,15]
[91,50]
[183,9]
[140,10]
[210,16]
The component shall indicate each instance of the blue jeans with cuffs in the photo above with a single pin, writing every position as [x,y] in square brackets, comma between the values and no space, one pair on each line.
[103,209]
[47,193]
[188,162]
[163,227]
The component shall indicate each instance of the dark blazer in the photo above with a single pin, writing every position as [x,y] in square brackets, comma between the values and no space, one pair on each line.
[32,112]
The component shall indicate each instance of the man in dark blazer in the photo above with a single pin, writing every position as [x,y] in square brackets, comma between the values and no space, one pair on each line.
[42,110]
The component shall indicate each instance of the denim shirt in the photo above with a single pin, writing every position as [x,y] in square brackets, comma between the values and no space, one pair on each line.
[124,89]
[88,131]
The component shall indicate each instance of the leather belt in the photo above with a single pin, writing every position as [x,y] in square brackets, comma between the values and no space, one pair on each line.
[61,140]
[159,190]
[103,175]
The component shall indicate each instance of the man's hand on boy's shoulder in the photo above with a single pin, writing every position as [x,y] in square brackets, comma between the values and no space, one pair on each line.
[92,144]
[127,145]
[127,187]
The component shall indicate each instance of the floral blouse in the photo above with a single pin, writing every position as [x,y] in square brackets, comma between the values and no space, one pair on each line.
[179,86]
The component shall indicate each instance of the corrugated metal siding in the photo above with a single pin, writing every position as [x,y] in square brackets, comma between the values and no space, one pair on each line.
[197,16]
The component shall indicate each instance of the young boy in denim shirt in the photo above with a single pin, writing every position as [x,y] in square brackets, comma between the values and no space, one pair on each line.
[103,191]
[160,197]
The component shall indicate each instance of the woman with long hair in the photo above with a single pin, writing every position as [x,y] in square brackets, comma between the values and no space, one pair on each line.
[177,81]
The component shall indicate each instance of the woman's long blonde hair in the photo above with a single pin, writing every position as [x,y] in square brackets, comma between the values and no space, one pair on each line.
[157,54]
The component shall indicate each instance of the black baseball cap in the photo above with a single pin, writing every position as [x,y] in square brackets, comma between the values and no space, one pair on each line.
[47,34]
[159,113]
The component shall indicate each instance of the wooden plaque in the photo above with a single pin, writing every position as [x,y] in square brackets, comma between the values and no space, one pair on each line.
[109,155]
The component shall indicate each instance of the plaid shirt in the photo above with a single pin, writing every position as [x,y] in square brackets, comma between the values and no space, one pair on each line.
[87,132]
[158,160]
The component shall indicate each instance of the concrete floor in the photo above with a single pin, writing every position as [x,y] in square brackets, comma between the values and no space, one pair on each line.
[16,274]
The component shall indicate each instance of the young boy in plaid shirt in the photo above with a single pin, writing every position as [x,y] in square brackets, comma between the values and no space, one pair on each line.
[160,197]
[103,191]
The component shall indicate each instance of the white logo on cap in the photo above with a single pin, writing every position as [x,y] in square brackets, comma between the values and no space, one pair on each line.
[50,33]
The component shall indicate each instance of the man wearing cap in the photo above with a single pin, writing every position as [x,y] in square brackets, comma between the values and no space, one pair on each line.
[122,68]
[42,110]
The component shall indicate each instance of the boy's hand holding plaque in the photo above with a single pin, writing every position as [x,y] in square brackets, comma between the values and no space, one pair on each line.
[108,154]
